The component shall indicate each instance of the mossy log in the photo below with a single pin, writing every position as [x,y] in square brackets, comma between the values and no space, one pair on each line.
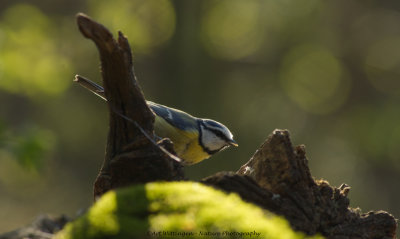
[176,210]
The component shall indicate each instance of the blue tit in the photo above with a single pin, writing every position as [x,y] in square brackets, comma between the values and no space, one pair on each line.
[194,139]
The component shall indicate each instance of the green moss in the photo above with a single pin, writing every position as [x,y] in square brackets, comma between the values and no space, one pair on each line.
[170,210]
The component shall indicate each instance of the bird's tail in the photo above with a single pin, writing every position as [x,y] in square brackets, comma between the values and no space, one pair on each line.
[91,86]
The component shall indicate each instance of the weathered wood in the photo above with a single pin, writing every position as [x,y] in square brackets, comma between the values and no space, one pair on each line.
[131,154]
[277,178]
[43,227]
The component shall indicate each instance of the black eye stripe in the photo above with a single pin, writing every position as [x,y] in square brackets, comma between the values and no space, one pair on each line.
[219,134]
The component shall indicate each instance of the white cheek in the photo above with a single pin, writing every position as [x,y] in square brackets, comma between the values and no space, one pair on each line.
[211,141]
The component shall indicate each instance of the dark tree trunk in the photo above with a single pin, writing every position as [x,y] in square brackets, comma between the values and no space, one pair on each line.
[132,155]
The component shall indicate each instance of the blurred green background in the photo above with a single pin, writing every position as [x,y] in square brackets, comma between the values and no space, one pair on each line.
[329,71]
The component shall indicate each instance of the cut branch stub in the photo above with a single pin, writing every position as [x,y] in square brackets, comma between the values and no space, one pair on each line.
[276,164]
[131,157]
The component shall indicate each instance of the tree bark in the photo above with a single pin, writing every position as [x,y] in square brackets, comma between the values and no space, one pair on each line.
[277,178]
[43,227]
[131,154]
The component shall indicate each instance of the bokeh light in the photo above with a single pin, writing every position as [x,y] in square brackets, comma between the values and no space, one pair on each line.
[293,8]
[314,79]
[382,65]
[232,29]
[147,23]
[29,59]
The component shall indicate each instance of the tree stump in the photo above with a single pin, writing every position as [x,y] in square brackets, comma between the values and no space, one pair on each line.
[277,178]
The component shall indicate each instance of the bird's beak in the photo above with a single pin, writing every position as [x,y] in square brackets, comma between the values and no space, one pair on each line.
[233,143]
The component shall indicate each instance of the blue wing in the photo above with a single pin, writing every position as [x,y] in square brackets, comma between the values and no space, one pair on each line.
[177,118]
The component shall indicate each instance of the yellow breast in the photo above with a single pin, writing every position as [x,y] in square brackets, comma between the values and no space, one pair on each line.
[186,143]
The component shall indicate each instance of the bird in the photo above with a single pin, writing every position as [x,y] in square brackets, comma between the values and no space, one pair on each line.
[194,139]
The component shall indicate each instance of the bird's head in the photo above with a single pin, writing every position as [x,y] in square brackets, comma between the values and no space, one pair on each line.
[214,136]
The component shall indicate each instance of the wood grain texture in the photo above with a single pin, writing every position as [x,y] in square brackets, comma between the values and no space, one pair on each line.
[277,178]
[131,157]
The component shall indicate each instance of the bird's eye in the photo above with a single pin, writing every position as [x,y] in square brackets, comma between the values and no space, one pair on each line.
[219,134]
